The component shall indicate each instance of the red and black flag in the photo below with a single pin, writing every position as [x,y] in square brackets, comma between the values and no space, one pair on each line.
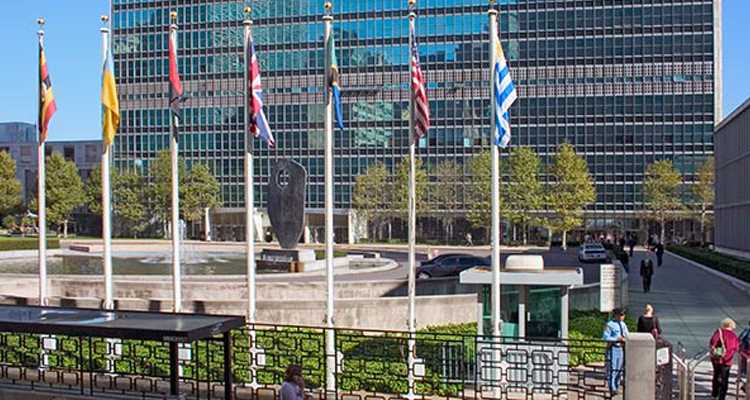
[47,106]
[175,85]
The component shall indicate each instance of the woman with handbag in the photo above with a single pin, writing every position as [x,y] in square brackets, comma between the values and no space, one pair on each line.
[649,323]
[724,344]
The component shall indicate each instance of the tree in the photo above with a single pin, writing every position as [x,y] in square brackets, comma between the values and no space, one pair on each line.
[703,191]
[572,189]
[371,195]
[401,189]
[201,191]
[10,187]
[160,194]
[478,212]
[445,193]
[64,190]
[129,199]
[662,193]
[94,191]
[525,191]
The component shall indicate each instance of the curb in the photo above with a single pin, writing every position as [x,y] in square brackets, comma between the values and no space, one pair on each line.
[739,284]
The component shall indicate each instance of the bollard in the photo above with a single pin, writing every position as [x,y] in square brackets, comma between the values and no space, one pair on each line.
[640,367]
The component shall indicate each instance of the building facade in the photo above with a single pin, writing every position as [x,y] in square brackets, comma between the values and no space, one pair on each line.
[20,140]
[732,209]
[626,82]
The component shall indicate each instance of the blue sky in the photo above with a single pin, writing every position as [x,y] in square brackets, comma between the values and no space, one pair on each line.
[73,46]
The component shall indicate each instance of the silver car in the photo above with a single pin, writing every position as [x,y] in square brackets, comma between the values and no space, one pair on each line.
[592,252]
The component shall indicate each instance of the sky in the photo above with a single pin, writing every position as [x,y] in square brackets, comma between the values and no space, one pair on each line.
[73,49]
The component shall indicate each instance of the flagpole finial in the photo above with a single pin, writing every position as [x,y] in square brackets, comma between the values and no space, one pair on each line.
[173,16]
[104,18]
[248,15]
[40,21]
[327,7]
[248,10]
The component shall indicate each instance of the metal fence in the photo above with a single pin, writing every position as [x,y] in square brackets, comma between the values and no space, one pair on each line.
[369,365]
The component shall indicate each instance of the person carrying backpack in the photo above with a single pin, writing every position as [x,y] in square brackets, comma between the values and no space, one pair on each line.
[744,350]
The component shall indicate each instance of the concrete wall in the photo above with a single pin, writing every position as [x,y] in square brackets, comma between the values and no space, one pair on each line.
[732,209]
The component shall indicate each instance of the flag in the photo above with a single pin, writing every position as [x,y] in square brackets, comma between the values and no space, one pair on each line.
[333,83]
[504,96]
[47,106]
[418,90]
[257,118]
[110,103]
[175,85]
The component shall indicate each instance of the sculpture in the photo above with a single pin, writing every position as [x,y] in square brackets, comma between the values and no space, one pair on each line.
[286,202]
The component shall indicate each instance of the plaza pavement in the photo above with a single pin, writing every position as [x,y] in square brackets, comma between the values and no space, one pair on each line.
[689,301]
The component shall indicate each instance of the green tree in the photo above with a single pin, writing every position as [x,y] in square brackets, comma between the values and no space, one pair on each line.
[479,208]
[129,195]
[160,193]
[446,196]
[662,190]
[478,212]
[525,191]
[371,196]
[401,189]
[10,187]
[201,191]
[572,189]
[64,190]
[703,191]
[94,191]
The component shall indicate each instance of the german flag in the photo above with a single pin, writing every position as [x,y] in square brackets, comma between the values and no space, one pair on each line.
[47,106]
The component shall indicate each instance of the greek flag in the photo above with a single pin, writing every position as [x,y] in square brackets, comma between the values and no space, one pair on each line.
[505,95]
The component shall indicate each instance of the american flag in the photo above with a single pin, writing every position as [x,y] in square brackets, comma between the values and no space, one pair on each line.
[257,118]
[418,90]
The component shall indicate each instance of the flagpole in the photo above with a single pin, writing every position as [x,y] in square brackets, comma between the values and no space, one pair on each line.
[249,207]
[495,193]
[106,193]
[173,147]
[412,322]
[41,193]
[328,125]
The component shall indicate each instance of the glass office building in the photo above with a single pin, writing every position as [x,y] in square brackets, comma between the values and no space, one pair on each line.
[627,82]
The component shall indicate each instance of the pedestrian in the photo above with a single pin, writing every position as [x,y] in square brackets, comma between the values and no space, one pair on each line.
[469,242]
[724,344]
[293,387]
[615,334]
[649,323]
[625,261]
[647,271]
[659,254]
[631,243]
[744,350]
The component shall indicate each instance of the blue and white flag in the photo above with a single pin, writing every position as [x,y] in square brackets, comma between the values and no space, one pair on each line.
[505,95]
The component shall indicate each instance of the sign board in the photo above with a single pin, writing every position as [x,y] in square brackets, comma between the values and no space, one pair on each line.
[662,356]
[609,291]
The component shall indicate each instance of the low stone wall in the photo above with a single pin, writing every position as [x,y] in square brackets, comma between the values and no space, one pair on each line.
[382,313]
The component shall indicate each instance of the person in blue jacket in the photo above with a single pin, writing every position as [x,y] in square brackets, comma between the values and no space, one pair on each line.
[615,334]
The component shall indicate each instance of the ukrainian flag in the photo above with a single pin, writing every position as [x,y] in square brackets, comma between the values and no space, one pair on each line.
[110,104]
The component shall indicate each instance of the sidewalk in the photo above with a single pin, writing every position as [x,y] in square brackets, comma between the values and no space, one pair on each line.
[689,301]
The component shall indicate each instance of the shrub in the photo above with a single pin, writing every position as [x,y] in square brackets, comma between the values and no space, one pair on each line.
[29,243]
[733,266]
[9,222]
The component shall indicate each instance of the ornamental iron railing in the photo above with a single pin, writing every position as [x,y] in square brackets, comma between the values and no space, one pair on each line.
[369,365]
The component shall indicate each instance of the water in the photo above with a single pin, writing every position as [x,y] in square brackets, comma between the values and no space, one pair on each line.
[156,264]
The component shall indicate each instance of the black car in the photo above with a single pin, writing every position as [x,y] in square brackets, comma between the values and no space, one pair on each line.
[449,265]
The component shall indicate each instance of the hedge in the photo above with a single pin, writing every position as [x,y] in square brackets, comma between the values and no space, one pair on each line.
[26,243]
[733,266]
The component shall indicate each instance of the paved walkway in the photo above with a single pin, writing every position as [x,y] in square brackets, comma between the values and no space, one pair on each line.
[689,301]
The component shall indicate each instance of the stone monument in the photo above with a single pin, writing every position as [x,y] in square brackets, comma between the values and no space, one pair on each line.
[286,210]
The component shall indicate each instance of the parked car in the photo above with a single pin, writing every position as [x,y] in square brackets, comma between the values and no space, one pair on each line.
[592,252]
[449,265]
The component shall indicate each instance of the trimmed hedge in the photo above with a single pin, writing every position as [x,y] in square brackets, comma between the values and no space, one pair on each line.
[733,266]
[26,243]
